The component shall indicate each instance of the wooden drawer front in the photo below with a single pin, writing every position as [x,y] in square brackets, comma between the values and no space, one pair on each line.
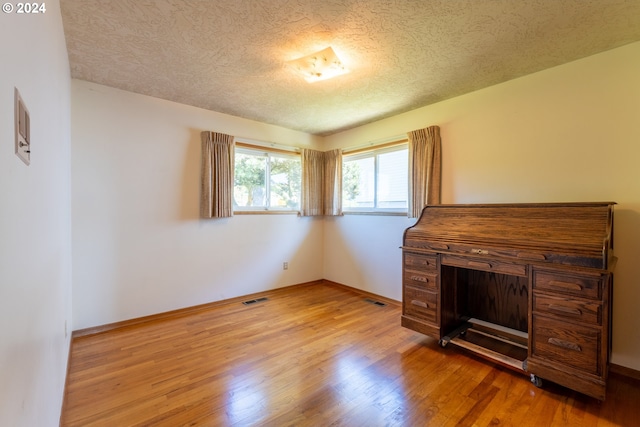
[572,345]
[420,262]
[581,311]
[421,280]
[485,265]
[421,304]
[581,286]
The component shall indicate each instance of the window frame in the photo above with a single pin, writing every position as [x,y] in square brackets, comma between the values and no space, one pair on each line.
[261,151]
[375,152]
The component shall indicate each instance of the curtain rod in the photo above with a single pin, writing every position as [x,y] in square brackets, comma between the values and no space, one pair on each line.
[369,145]
[377,142]
[266,144]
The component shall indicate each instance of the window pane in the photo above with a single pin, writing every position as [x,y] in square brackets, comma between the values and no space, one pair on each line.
[285,182]
[376,180]
[358,183]
[392,180]
[250,184]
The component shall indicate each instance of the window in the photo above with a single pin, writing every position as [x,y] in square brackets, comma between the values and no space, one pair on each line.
[376,180]
[266,180]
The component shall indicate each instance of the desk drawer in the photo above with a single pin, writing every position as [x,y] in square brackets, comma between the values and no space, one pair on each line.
[421,280]
[421,304]
[561,283]
[489,265]
[568,308]
[420,261]
[568,344]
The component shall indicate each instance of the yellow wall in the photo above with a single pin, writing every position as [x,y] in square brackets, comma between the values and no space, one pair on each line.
[570,133]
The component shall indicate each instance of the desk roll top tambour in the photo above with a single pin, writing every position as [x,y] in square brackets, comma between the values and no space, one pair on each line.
[526,285]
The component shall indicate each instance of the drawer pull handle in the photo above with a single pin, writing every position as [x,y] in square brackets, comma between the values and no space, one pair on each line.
[565,310]
[419,303]
[564,344]
[479,264]
[567,286]
[421,262]
[420,278]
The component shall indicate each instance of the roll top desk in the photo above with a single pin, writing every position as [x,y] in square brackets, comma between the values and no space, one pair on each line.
[526,285]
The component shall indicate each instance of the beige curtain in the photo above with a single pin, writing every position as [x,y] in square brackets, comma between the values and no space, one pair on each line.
[321,182]
[216,191]
[425,166]
[332,188]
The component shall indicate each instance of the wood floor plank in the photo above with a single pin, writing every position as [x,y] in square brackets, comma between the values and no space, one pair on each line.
[309,356]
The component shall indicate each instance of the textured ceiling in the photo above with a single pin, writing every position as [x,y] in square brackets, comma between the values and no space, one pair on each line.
[229,55]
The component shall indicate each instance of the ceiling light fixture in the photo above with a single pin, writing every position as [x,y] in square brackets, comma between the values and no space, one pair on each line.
[318,66]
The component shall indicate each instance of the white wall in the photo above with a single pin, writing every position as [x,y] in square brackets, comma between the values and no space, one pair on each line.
[363,251]
[569,133]
[35,230]
[139,247]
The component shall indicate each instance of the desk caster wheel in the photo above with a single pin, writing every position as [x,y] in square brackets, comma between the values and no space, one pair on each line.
[443,343]
[536,380]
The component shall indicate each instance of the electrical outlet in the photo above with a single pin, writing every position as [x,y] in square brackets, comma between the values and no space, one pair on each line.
[285,265]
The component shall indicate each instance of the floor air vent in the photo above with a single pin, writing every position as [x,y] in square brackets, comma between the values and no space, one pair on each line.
[253,301]
[374,302]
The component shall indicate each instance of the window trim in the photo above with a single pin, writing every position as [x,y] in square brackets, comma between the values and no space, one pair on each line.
[375,151]
[253,149]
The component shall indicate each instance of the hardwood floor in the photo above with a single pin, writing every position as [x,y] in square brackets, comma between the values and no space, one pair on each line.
[310,356]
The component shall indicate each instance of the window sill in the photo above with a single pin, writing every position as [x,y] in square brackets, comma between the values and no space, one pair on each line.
[378,213]
[266,212]
[274,212]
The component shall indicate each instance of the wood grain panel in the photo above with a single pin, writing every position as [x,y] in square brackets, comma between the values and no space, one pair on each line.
[567,308]
[418,279]
[420,261]
[496,298]
[574,345]
[580,233]
[490,265]
[421,304]
[576,285]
